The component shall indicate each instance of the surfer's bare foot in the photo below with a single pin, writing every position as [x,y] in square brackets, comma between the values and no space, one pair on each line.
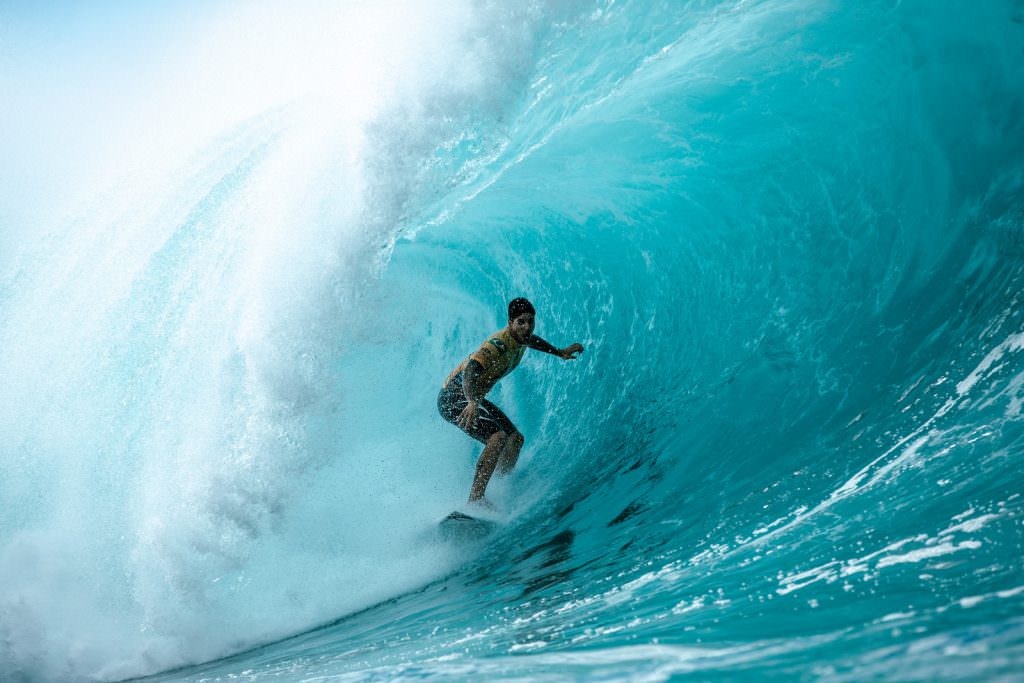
[483,504]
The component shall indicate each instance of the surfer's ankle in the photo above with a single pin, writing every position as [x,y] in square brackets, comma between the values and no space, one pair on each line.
[482,503]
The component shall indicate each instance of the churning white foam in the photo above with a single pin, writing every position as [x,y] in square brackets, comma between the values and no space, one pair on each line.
[203,449]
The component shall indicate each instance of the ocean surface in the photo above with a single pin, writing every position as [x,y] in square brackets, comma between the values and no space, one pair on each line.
[242,244]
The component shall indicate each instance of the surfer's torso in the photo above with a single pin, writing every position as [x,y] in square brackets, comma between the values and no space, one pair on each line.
[498,356]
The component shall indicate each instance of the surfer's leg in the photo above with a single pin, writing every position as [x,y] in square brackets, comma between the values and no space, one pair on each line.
[496,421]
[485,465]
[510,453]
[491,427]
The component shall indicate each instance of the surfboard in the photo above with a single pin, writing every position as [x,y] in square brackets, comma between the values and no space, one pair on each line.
[460,526]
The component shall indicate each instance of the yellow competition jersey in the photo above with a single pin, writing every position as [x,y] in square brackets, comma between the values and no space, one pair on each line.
[499,355]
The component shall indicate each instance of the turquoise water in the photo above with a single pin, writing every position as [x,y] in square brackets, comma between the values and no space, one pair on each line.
[790,235]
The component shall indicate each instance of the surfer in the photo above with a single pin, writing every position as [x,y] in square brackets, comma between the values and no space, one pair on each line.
[462,401]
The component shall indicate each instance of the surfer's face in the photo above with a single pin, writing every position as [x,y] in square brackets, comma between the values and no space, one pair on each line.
[521,327]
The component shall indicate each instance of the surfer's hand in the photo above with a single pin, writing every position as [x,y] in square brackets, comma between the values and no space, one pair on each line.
[468,415]
[570,352]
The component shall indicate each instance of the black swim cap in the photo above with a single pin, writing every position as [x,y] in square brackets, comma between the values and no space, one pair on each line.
[517,307]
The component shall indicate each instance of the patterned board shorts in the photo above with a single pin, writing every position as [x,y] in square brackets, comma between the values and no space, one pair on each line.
[489,418]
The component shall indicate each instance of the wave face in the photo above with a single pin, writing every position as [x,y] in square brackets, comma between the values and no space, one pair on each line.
[789,233]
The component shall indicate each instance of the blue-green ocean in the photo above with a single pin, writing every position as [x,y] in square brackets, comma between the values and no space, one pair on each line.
[243,243]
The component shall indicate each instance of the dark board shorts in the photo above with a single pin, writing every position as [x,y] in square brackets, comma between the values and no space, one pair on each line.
[489,418]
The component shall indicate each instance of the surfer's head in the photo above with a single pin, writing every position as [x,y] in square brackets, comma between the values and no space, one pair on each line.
[516,307]
[521,316]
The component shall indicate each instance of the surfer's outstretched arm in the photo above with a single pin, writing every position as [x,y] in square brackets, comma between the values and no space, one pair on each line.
[568,353]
